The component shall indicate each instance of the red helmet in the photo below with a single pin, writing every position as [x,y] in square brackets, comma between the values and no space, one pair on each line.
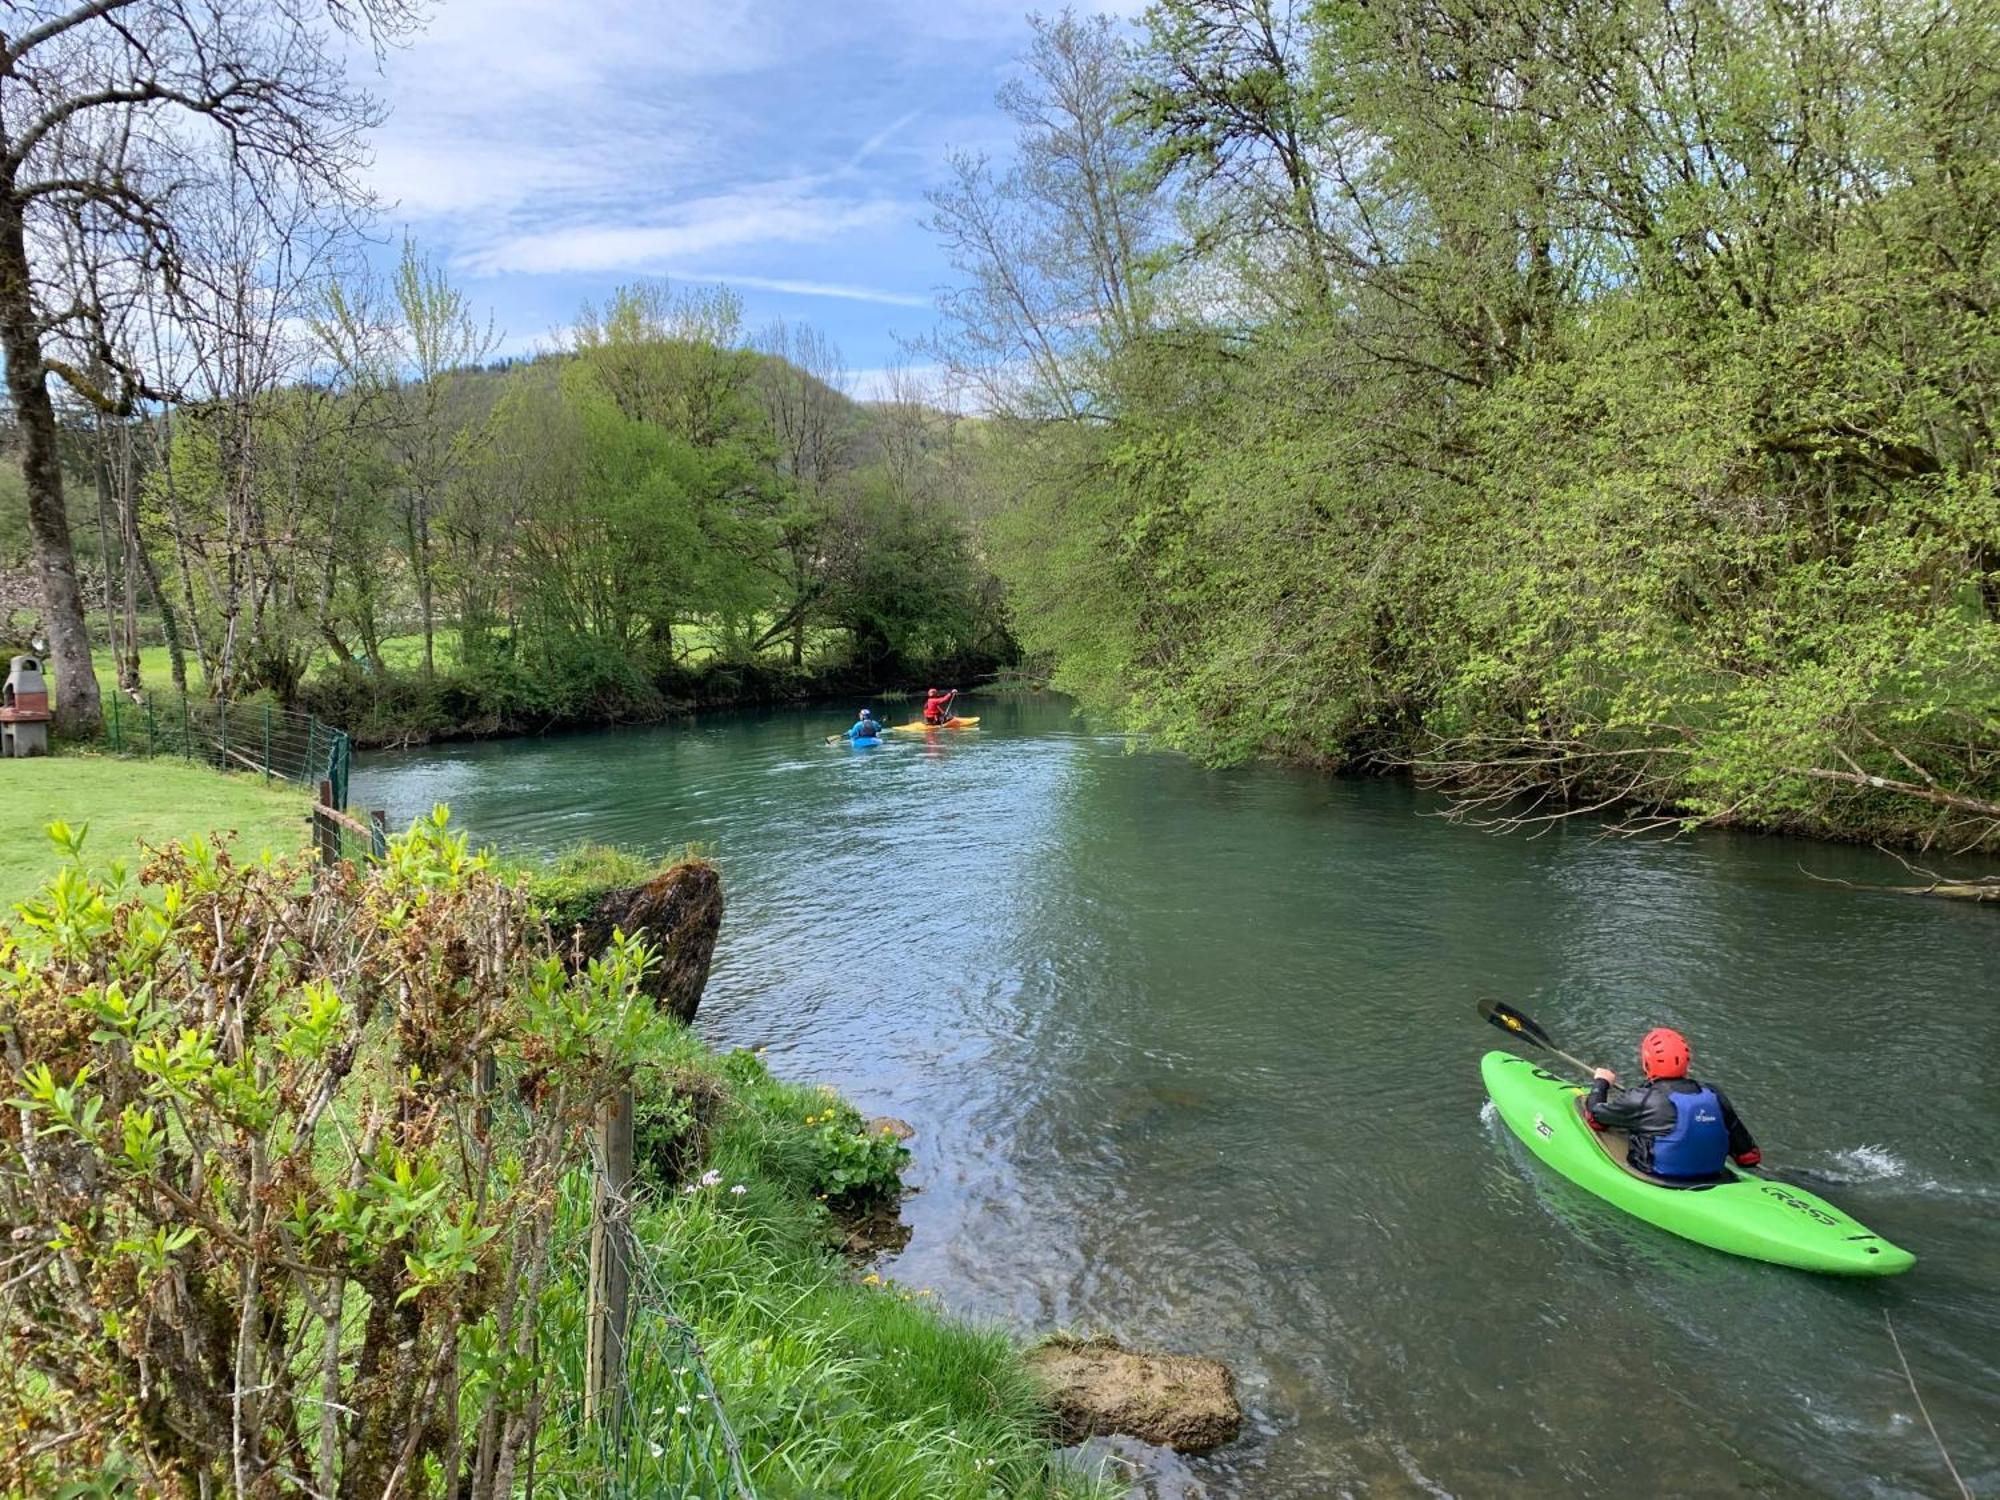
[1664,1052]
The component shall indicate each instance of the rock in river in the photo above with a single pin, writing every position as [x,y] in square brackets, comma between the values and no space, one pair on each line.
[1097,1387]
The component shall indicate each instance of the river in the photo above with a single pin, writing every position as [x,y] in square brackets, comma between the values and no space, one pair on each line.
[1193,1060]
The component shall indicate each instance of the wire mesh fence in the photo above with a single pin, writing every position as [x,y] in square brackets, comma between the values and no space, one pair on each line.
[276,743]
[669,1437]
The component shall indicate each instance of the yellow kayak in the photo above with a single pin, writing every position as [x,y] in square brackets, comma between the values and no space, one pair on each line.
[920,727]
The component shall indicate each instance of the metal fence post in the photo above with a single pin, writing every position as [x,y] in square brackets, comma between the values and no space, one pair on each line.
[149,728]
[267,742]
[222,735]
[117,741]
[187,735]
[378,833]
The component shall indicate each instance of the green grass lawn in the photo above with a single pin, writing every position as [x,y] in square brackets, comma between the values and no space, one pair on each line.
[404,652]
[127,803]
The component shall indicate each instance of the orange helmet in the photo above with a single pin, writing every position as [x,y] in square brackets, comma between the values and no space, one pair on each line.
[1664,1053]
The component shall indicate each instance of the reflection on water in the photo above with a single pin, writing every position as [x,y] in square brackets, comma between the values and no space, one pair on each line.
[1193,1061]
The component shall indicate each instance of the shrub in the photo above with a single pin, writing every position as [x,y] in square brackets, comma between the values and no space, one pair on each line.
[284,1167]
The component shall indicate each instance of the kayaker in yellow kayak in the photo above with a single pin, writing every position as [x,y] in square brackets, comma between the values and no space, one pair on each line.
[937,707]
[1681,1129]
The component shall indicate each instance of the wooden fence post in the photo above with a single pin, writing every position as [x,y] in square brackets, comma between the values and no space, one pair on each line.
[326,832]
[610,1306]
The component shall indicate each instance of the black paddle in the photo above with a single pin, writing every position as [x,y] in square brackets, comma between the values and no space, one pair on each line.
[1517,1023]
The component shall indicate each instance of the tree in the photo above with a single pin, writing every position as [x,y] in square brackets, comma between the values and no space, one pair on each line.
[1587,405]
[441,339]
[1054,250]
[812,430]
[109,111]
[674,361]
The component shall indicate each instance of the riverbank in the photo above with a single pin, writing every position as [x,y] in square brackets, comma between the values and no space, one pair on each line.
[402,708]
[756,1347]
[832,1379]
[122,805]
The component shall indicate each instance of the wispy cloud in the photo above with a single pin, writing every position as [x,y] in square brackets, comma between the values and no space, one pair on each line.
[541,148]
[772,214]
[839,290]
[881,138]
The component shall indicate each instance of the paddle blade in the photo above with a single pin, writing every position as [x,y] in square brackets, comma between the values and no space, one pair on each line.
[1513,1022]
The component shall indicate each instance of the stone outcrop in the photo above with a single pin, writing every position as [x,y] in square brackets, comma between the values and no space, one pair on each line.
[1096,1387]
[678,911]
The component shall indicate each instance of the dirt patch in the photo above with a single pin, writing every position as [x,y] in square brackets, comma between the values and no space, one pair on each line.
[873,1227]
[674,1124]
[679,911]
[1097,1387]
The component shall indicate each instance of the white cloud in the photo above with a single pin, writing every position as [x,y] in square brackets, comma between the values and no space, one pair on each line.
[881,138]
[534,145]
[772,214]
[839,290]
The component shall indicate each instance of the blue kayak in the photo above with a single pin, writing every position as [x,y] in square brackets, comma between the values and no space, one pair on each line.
[865,743]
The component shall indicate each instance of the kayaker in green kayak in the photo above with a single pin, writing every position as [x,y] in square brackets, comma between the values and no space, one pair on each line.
[1681,1129]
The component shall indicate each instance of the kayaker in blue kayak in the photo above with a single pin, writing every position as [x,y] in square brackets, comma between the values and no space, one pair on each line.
[1681,1129]
[865,728]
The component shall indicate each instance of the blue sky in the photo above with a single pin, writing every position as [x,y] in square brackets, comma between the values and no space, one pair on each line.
[548,150]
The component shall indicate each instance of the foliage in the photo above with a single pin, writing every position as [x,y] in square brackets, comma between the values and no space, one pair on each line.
[563,890]
[566,540]
[830,1151]
[276,1226]
[1582,408]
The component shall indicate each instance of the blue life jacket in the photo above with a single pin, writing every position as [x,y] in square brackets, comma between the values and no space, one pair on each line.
[1698,1144]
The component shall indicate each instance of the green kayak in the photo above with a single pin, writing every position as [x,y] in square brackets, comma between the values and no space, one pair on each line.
[1742,1214]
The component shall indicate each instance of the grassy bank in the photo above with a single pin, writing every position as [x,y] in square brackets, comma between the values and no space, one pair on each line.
[756,1350]
[129,803]
[830,1381]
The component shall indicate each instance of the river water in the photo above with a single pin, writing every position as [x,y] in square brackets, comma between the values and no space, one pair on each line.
[1193,1061]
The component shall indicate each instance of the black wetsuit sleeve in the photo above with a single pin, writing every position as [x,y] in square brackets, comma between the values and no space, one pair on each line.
[1622,1113]
[1740,1142]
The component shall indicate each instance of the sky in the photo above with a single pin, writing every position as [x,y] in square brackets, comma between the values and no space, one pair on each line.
[547,151]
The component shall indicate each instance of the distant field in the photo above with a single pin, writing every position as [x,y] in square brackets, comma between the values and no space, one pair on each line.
[127,803]
[694,644]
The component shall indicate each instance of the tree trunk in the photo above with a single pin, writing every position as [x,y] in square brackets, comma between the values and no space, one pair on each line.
[78,707]
[424,583]
[128,549]
[169,625]
[102,460]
